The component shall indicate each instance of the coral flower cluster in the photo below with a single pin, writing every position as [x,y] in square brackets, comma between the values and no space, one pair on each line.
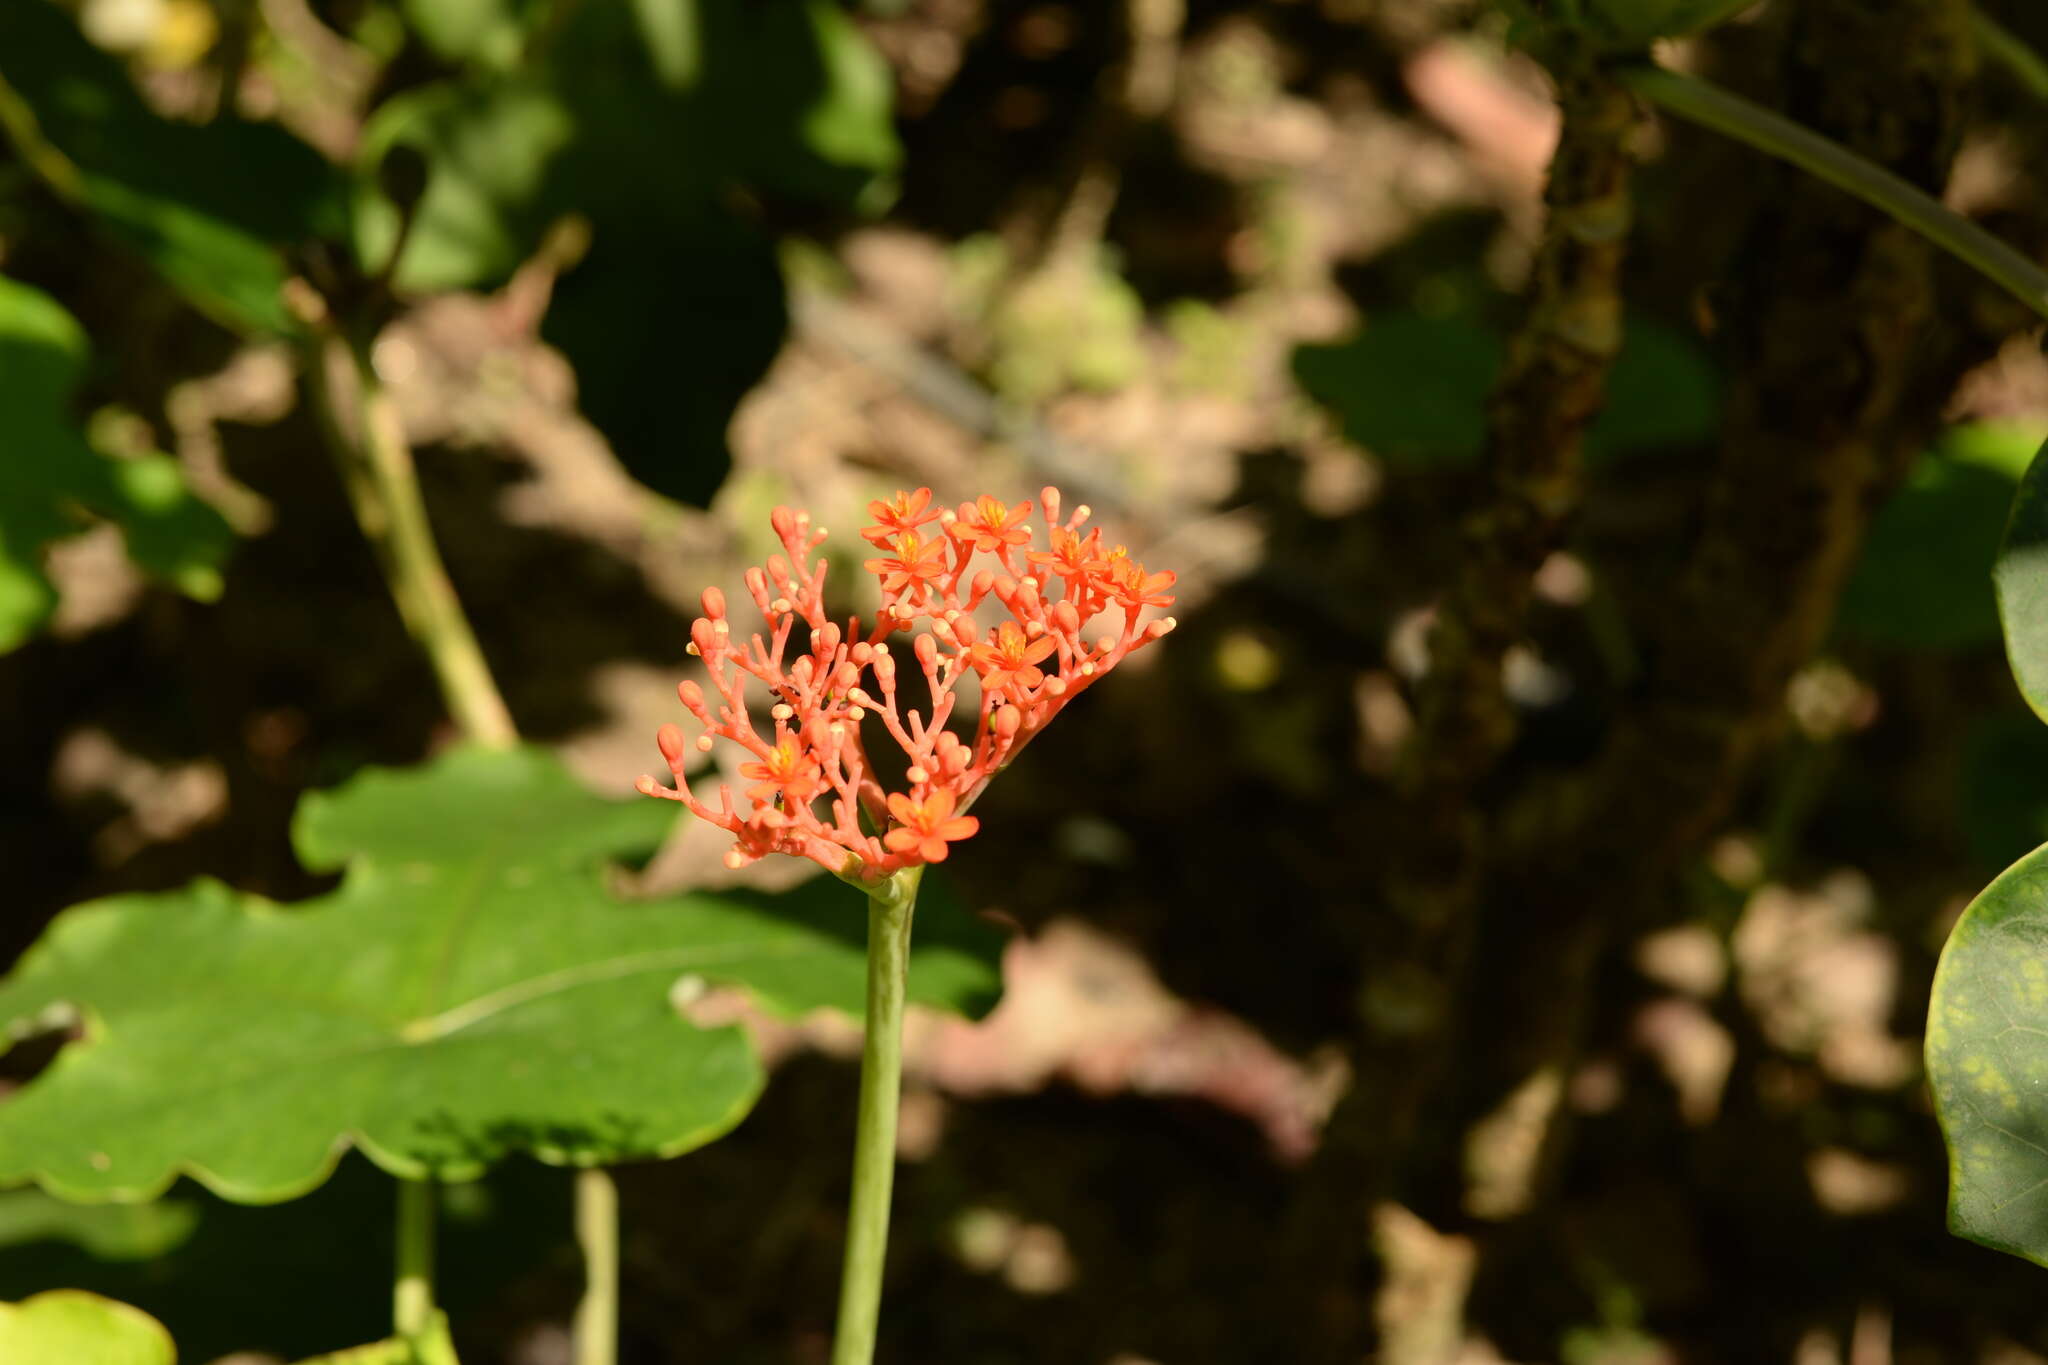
[1059,618]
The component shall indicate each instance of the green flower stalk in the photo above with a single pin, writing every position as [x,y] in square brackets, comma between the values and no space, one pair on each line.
[1067,614]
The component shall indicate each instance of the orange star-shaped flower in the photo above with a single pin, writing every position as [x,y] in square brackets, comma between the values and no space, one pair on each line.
[990,525]
[788,772]
[914,563]
[898,516]
[1130,585]
[1010,659]
[927,826]
[1072,557]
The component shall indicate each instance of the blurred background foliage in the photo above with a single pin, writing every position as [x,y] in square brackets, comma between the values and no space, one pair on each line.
[1238,273]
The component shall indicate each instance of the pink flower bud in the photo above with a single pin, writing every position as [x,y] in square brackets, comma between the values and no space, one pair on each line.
[714,604]
[1066,619]
[1008,720]
[927,650]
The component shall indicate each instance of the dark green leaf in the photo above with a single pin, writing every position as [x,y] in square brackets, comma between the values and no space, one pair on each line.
[643,120]
[1987,1059]
[488,147]
[2003,802]
[50,476]
[1925,579]
[2021,581]
[468,991]
[210,206]
[667,334]
[1412,389]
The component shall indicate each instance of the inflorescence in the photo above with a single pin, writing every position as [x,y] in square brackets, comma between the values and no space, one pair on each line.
[1072,614]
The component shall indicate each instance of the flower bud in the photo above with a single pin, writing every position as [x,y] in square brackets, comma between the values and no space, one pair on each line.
[784,522]
[669,739]
[1008,720]
[1066,618]
[927,649]
[714,604]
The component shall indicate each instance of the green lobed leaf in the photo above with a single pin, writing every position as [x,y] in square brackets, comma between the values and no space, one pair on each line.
[71,1327]
[2020,580]
[468,991]
[1413,389]
[50,475]
[1987,1060]
[210,206]
[1925,578]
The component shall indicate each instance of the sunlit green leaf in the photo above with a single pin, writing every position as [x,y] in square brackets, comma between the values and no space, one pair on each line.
[70,1327]
[50,477]
[210,206]
[469,990]
[1987,1059]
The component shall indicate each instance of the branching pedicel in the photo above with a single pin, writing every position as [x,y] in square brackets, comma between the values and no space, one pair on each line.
[1029,667]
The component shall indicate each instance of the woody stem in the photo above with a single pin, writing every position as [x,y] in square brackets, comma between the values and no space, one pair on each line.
[890,907]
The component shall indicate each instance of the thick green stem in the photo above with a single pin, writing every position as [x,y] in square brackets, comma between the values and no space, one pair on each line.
[1712,107]
[412,1289]
[890,908]
[597,1233]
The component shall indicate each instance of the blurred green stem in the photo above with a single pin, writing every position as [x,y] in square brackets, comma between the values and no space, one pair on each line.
[1712,107]
[2003,46]
[890,908]
[597,1233]
[412,1292]
[384,487]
